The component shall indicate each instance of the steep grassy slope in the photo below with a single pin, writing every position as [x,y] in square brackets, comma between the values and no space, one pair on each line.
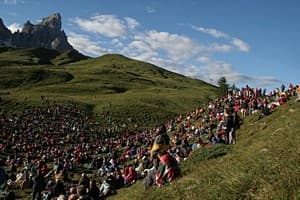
[264,164]
[133,92]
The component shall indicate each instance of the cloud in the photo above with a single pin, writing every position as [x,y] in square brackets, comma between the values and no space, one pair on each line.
[215,69]
[267,81]
[236,42]
[203,59]
[85,45]
[175,52]
[14,27]
[212,70]
[107,25]
[150,9]
[131,23]
[147,44]
[213,32]
[140,50]
[217,48]
[117,43]
[241,45]
[10,2]
[263,81]
[176,47]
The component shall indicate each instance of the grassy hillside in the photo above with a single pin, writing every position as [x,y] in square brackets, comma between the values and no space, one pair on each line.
[35,56]
[264,164]
[132,92]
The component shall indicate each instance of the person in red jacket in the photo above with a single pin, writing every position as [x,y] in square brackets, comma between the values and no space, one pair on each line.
[168,169]
[129,175]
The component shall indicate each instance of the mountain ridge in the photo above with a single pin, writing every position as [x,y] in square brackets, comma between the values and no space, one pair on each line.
[46,34]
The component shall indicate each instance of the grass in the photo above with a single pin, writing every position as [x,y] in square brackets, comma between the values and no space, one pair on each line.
[263,164]
[10,56]
[131,90]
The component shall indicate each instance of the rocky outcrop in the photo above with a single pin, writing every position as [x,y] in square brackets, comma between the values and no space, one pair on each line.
[46,34]
[5,34]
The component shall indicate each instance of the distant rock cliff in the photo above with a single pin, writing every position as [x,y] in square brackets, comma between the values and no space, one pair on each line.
[5,34]
[47,34]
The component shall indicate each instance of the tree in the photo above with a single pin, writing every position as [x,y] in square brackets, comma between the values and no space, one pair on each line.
[223,86]
[233,87]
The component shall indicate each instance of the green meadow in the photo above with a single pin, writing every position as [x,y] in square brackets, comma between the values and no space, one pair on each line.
[263,164]
[133,92]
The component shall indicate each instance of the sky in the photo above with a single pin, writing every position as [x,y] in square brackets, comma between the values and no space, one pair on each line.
[249,42]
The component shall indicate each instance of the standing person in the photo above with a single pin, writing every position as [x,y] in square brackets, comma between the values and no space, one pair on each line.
[59,187]
[237,121]
[298,92]
[282,87]
[228,126]
[244,108]
[161,144]
[85,181]
[3,176]
[39,185]
[94,190]
[2,173]
[165,167]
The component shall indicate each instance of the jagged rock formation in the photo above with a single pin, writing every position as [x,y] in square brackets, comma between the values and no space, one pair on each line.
[5,34]
[46,34]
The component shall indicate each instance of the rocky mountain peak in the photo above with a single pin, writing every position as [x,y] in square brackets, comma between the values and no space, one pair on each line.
[2,24]
[52,21]
[4,31]
[46,34]
[27,27]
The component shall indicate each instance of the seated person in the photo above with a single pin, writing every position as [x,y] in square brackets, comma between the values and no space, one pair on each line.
[129,175]
[168,169]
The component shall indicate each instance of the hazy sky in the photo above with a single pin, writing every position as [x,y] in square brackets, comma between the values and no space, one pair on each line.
[249,42]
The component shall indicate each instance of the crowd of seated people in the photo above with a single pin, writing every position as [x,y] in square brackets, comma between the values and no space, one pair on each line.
[46,148]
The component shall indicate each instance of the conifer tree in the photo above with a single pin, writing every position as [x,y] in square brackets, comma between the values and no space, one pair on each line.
[223,86]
